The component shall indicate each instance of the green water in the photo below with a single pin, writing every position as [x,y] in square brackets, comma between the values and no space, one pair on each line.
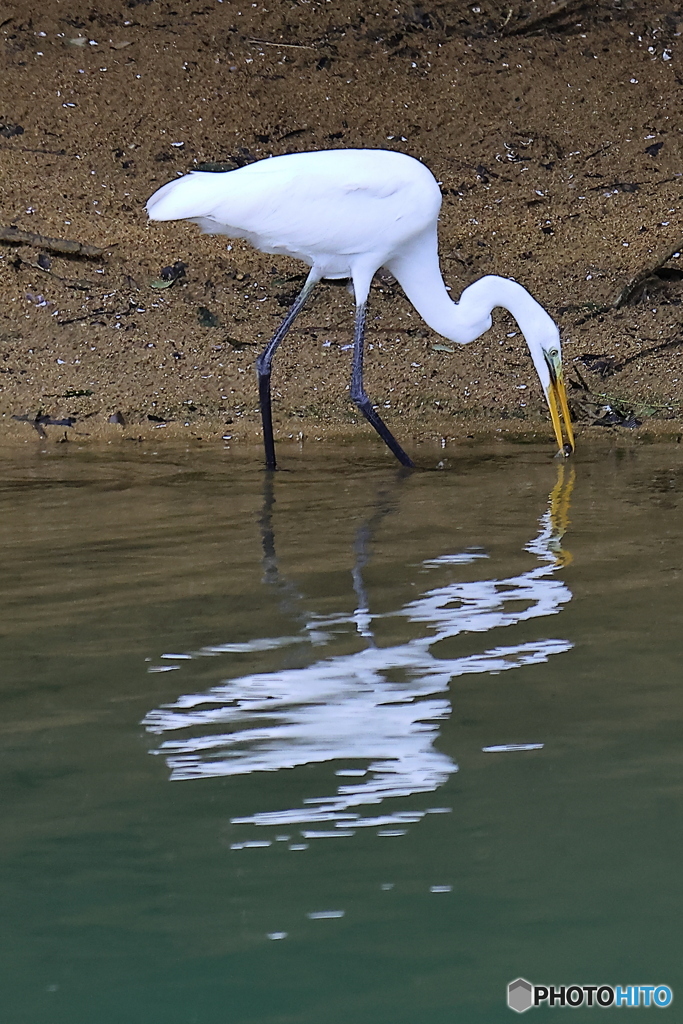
[191,656]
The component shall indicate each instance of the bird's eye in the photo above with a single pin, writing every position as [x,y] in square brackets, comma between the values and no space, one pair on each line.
[553,353]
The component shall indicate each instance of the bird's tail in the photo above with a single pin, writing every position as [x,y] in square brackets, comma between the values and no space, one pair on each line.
[192,196]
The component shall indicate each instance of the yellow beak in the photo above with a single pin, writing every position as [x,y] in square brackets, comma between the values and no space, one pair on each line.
[556,396]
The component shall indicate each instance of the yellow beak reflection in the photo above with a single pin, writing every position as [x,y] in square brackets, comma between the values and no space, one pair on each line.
[556,396]
[559,504]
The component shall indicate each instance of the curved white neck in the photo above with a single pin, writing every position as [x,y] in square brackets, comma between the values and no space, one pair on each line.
[418,273]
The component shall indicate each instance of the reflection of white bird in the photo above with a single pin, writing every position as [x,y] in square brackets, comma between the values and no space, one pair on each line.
[378,709]
[346,213]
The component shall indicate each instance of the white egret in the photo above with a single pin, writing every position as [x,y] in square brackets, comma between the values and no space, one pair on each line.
[346,213]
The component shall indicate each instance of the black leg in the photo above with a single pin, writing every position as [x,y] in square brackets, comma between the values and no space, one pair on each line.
[361,399]
[263,367]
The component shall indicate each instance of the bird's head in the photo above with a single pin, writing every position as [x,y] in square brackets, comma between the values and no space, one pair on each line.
[556,393]
[543,338]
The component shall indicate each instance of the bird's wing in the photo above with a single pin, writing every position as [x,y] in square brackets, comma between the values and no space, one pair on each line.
[312,206]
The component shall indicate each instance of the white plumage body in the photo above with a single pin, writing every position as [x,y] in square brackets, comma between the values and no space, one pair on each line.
[346,213]
[343,212]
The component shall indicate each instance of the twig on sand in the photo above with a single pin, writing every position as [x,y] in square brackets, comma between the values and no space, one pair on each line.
[16,236]
[81,286]
[29,149]
[546,19]
[671,343]
[287,46]
[101,312]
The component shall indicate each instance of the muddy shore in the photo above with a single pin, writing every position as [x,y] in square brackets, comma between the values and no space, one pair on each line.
[553,128]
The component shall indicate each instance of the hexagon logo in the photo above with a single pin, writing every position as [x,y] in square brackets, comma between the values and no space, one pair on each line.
[520,996]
